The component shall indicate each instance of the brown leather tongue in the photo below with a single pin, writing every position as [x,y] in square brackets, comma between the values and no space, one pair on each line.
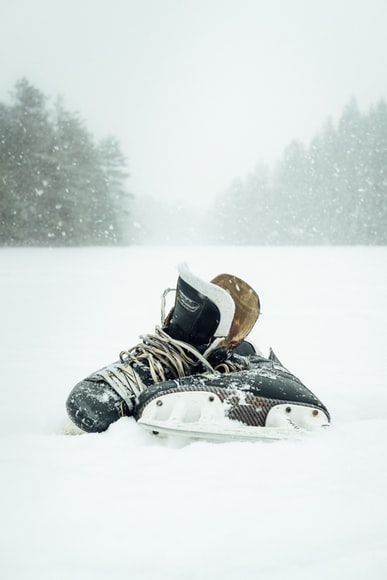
[247,307]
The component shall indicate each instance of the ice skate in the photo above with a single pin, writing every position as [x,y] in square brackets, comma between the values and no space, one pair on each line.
[260,401]
[201,319]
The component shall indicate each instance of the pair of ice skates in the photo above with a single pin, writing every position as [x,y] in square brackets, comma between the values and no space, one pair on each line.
[197,376]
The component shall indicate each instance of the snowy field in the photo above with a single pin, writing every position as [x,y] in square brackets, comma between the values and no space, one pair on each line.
[126,505]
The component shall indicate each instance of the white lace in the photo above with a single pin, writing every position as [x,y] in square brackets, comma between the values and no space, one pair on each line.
[160,353]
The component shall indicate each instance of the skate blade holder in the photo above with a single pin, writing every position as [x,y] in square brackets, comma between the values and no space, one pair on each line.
[296,417]
[201,415]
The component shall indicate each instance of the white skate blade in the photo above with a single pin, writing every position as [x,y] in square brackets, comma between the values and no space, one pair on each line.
[221,433]
[202,415]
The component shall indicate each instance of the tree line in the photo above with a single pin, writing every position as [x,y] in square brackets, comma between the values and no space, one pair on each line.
[333,191]
[57,185]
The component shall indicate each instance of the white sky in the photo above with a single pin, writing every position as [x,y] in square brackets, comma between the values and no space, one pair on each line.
[198,91]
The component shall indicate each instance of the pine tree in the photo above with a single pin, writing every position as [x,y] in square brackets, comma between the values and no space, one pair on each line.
[25,145]
[76,179]
[349,203]
[290,196]
[114,215]
[323,185]
[375,218]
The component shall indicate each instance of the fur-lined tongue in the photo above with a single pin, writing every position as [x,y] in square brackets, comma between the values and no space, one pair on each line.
[247,307]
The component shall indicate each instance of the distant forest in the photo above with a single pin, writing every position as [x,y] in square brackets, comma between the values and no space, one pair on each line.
[333,191]
[59,187]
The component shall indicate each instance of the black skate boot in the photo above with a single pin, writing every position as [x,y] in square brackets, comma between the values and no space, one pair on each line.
[246,396]
[200,320]
[261,401]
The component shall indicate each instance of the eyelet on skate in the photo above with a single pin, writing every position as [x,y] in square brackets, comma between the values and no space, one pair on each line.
[123,356]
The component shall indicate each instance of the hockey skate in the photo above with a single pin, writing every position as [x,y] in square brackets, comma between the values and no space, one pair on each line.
[245,396]
[197,376]
[261,400]
[203,315]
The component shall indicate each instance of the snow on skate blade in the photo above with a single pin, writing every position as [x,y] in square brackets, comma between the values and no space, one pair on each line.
[201,415]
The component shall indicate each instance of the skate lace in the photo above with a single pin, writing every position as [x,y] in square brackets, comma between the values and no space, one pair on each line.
[161,353]
[232,366]
[165,357]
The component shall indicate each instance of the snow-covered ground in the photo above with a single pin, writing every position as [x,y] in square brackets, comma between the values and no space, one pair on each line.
[124,504]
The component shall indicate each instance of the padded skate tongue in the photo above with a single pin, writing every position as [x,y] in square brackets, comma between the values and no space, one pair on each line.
[202,310]
[247,307]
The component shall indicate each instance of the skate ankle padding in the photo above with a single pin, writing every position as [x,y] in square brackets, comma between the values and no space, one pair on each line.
[202,311]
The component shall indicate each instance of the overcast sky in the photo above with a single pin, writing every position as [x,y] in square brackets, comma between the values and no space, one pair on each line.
[198,91]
